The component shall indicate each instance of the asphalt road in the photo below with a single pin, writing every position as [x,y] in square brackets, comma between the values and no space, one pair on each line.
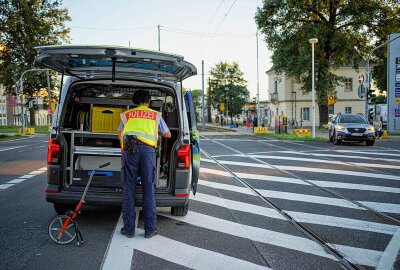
[235,219]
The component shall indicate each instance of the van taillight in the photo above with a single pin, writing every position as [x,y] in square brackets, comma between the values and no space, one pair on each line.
[183,157]
[53,152]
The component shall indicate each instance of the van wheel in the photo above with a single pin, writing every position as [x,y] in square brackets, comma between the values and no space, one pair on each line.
[180,211]
[61,208]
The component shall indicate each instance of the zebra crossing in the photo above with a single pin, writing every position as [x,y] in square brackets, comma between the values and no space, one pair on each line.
[230,227]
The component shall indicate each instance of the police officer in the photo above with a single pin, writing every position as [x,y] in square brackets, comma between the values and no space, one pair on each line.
[138,135]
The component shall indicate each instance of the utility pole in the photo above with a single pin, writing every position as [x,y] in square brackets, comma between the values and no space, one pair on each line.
[258,88]
[202,96]
[313,41]
[159,30]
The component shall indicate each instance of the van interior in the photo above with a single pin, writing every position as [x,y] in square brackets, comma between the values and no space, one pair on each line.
[90,122]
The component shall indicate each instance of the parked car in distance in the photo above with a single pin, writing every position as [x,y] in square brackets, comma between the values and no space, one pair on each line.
[351,127]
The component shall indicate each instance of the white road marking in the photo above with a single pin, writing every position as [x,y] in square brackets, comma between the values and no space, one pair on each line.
[371,165]
[311,169]
[383,207]
[216,172]
[11,148]
[207,160]
[363,256]
[43,169]
[389,255]
[331,184]
[27,176]
[340,172]
[299,216]
[16,181]
[253,233]
[356,186]
[271,178]
[36,172]
[308,153]
[308,198]
[119,254]
[238,163]
[5,186]
[242,190]
[377,153]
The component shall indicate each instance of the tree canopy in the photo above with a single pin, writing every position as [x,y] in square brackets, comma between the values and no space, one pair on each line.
[24,25]
[347,30]
[228,86]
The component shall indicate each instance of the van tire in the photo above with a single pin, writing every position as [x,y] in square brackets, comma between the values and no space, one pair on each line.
[180,211]
[61,208]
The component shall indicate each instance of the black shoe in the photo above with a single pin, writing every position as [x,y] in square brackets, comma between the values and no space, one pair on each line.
[127,235]
[150,235]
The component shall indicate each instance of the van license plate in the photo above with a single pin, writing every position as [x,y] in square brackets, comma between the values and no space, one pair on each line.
[357,134]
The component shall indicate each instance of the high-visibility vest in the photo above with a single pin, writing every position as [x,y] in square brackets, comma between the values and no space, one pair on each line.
[142,122]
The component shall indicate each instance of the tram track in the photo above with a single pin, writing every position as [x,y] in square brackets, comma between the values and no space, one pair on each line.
[345,263]
[306,230]
[385,216]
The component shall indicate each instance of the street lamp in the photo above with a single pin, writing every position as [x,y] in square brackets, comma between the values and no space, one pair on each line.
[313,41]
[227,100]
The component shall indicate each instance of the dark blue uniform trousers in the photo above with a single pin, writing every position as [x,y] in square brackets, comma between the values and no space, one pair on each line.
[143,164]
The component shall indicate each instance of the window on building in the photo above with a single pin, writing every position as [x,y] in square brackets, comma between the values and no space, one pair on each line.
[347,109]
[331,109]
[306,114]
[276,87]
[348,85]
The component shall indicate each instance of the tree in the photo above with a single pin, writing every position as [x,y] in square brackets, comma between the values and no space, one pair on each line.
[25,24]
[196,96]
[228,86]
[346,32]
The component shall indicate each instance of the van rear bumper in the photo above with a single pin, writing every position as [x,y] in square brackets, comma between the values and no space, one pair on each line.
[67,197]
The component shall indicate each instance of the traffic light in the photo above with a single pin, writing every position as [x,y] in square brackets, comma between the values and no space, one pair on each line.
[371,96]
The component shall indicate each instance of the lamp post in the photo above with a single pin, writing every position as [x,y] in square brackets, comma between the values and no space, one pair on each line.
[21,89]
[295,106]
[313,41]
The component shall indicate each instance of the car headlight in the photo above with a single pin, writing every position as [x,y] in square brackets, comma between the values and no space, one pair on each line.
[341,127]
[371,129]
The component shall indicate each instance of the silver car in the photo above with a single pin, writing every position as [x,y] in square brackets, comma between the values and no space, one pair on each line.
[351,127]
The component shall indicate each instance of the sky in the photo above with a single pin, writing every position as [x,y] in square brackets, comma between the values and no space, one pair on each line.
[209,30]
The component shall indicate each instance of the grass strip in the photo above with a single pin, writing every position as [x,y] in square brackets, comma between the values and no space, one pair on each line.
[4,137]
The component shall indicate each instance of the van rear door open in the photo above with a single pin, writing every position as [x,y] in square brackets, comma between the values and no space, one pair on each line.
[194,139]
[96,62]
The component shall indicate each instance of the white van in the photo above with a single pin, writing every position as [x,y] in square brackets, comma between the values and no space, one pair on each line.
[97,85]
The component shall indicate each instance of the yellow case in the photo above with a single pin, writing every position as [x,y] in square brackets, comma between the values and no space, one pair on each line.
[105,119]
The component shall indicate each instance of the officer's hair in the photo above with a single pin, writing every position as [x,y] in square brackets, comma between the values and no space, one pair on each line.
[141,96]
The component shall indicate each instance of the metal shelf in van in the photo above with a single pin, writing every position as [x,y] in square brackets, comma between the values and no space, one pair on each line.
[104,101]
[106,151]
[88,134]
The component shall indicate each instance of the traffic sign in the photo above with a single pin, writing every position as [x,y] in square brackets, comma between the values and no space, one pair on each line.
[361,79]
[361,91]
[331,99]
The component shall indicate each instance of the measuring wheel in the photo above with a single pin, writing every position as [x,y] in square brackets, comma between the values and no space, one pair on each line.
[69,234]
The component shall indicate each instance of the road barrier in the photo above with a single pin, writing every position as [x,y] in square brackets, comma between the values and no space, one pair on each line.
[301,132]
[260,130]
[384,134]
[28,131]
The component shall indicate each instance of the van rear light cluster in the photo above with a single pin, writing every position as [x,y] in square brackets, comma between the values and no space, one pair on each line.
[183,157]
[53,152]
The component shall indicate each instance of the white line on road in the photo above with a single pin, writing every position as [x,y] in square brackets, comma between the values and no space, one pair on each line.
[331,221]
[11,148]
[377,153]
[253,233]
[330,184]
[5,186]
[311,169]
[363,256]
[119,254]
[27,176]
[16,181]
[216,172]
[389,255]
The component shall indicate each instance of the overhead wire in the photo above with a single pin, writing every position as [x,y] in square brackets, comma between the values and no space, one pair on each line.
[219,25]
